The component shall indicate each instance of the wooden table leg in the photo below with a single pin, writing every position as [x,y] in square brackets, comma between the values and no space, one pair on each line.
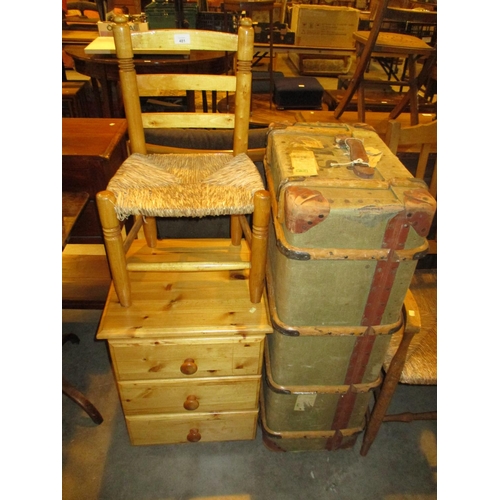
[191,102]
[97,96]
[413,90]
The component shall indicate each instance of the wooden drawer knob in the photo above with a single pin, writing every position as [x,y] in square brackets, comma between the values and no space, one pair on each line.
[194,435]
[189,367]
[191,403]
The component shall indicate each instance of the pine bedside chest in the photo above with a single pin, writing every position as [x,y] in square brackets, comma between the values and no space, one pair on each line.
[187,356]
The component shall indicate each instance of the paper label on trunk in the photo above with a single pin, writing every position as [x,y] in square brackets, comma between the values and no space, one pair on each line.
[304,401]
[304,163]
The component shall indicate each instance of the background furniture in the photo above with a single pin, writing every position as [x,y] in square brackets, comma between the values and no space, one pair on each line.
[249,6]
[375,43]
[72,207]
[421,140]
[134,6]
[412,355]
[103,71]
[74,101]
[92,151]
[74,394]
[423,137]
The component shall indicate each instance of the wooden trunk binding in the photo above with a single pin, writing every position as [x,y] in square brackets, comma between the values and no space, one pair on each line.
[359,360]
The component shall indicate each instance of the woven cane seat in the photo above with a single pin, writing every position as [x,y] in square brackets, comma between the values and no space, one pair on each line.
[420,367]
[421,362]
[185,185]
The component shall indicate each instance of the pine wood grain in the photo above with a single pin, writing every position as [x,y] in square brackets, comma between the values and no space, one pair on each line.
[172,429]
[160,359]
[209,395]
[173,304]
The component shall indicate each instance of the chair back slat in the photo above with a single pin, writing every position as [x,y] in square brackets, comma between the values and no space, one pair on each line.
[188,120]
[184,39]
[425,133]
[237,80]
[424,136]
[158,85]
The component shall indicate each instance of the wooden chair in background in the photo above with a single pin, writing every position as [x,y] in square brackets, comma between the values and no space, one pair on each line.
[421,139]
[185,185]
[412,355]
[424,138]
[379,44]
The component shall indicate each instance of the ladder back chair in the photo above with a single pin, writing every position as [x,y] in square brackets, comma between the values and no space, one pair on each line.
[412,355]
[150,185]
[379,44]
[421,139]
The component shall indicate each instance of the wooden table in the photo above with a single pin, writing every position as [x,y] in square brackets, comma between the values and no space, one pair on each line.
[72,206]
[103,71]
[92,151]
[78,37]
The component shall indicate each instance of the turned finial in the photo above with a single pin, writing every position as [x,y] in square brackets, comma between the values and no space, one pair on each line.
[246,21]
[120,19]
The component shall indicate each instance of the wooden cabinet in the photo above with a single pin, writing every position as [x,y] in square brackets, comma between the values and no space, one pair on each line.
[187,355]
[92,151]
[134,6]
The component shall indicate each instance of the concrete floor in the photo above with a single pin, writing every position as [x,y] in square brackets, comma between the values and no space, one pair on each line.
[98,462]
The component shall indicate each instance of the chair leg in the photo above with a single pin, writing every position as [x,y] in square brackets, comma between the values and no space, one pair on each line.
[70,337]
[150,231]
[410,417]
[75,395]
[114,246]
[236,230]
[260,234]
[387,391]
[361,102]
[413,90]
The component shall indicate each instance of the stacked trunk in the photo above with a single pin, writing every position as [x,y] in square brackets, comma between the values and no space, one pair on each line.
[348,230]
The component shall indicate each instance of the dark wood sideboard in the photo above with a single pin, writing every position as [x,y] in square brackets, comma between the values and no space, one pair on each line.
[92,151]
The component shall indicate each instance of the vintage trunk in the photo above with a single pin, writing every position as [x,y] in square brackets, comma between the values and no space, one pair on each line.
[347,234]
[308,417]
[325,355]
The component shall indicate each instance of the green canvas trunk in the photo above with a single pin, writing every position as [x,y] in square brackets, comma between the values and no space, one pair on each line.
[306,417]
[345,239]
[323,355]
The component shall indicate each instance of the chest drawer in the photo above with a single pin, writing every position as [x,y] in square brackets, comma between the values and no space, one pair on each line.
[202,427]
[189,396]
[184,358]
